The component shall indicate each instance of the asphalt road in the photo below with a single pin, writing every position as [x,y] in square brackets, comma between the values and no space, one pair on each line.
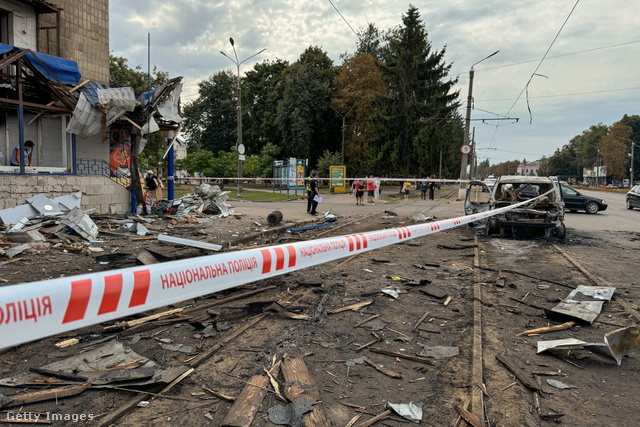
[616,218]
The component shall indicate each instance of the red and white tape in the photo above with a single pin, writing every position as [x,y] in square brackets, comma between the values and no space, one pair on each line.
[35,310]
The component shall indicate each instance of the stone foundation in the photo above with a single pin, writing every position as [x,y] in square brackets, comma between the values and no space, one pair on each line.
[97,191]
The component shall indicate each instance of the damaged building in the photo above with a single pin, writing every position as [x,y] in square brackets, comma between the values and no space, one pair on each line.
[54,92]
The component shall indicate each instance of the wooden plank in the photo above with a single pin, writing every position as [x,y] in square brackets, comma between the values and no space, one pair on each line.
[546,329]
[351,307]
[524,377]
[303,386]
[375,419]
[42,395]
[402,356]
[380,368]
[247,404]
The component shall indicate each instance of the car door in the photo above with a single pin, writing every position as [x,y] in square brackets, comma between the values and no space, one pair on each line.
[477,200]
[572,199]
[634,196]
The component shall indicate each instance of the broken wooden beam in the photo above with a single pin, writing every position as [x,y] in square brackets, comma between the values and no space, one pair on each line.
[375,419]
[402,356]
[248,402]
[303,386]
[524,377]
[356,306]
[42,395]
[544,330]
[380,368]
[424,316]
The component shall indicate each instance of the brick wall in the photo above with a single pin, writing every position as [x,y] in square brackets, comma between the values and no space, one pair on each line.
[84,36]
[97,192]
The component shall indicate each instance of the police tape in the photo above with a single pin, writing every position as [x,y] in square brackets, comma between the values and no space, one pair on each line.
[35,310]
[293,179]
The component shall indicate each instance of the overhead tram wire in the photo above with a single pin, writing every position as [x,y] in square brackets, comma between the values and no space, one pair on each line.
[463,73]
[537,68]
[564,94]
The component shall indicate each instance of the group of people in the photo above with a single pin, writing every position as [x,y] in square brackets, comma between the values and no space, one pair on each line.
[425,186]
[371,185]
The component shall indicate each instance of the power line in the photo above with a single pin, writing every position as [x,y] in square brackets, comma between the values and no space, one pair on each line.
[463,73]
[563,94]
[538,67]
[344,19]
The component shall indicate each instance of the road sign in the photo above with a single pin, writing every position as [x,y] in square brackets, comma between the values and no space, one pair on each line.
[465,149]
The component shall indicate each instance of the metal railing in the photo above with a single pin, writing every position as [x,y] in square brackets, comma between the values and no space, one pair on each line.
[103,168]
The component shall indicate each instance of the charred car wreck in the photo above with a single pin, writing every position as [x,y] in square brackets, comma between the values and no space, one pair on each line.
[545,214]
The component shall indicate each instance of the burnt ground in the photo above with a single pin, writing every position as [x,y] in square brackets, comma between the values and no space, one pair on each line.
[430,273]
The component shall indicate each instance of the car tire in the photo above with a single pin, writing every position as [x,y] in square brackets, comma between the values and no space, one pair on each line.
[561,231]
[629,206]
[591,208]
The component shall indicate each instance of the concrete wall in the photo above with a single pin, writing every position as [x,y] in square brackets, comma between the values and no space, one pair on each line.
[97,192]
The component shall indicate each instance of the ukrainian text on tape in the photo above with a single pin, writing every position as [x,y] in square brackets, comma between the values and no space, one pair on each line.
[35,310]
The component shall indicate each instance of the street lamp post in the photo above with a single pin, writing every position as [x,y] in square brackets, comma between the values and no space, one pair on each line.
[467,126]
[239,145]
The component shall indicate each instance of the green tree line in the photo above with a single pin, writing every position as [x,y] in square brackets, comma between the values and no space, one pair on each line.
[393,93]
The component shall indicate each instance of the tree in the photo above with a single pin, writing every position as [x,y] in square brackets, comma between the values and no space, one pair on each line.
[614,150]
[210,121]
[260,97]
[304,116]
[326,160]
[358,82]
[122,75]
[588,146]
[419,108]
[262,165]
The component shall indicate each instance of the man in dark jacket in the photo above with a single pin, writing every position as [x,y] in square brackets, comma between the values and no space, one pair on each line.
[312,192]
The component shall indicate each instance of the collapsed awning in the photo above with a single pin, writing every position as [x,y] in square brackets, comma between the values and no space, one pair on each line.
[65,70]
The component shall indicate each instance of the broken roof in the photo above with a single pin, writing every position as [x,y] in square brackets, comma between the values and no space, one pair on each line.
[65,70]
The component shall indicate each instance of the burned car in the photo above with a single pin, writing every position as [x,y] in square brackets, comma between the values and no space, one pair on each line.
[546,214]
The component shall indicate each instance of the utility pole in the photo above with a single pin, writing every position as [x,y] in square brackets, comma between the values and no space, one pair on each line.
[467,129]
[344,124]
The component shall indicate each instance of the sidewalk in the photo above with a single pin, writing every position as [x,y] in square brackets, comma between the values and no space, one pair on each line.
[344,205]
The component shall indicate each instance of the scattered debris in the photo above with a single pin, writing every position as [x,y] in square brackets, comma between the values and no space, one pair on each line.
[354,307]
[291,414]
[391,291]
[546,329]
[274,218]
[189,242]
[410,411]
[177,347]
[439,351]
[583,303]
[617,344]
[381,368]
[421,218]
[79,221]
[559,384]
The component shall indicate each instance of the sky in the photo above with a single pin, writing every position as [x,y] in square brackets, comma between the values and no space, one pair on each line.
[590,74]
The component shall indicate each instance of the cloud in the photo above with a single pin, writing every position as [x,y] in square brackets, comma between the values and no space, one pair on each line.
[188,35]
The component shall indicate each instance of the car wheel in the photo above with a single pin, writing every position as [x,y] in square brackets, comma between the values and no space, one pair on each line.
[629,206]
[561,232]
[591,208]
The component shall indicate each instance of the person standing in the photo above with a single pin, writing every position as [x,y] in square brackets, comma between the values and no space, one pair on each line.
[432,187]
[28,151]
[371,189]
[359,193]
[312,192]
[405,190]
[424,186]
